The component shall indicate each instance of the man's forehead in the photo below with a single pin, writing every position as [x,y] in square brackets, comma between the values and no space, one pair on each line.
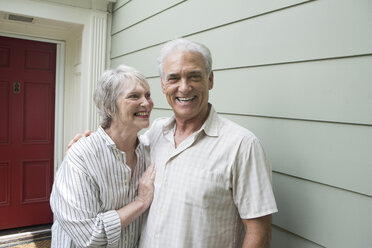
[181,59]
[188,72]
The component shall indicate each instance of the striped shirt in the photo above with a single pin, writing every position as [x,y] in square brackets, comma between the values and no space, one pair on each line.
[204,187]
[92,182]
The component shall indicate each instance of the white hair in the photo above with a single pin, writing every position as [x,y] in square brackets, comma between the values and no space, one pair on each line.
[185,45]
[110,86]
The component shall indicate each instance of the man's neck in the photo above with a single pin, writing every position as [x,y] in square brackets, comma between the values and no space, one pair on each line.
[184,128]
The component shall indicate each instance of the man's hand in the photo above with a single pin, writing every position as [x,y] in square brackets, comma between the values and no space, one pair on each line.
[78,136]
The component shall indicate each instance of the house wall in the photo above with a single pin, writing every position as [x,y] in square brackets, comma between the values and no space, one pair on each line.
[298,74]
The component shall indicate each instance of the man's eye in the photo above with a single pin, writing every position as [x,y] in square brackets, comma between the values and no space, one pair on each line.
[195,77]
[172,80]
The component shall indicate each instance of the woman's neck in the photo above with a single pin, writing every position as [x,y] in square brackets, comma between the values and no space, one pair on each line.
[125,140]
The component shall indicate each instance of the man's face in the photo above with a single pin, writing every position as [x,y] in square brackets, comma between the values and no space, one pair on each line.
[186,85]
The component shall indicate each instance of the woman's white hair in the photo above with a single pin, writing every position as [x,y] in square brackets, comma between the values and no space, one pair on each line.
[109,88]
[184,45]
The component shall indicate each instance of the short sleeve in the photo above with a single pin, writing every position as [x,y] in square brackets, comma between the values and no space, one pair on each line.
[252,181]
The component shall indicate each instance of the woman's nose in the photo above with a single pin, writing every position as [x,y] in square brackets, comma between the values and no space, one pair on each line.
[145,102]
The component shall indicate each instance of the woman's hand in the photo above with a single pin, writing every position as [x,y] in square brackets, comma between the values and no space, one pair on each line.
[130,212]
[146,186]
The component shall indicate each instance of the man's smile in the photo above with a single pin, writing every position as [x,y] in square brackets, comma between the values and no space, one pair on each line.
[185,99]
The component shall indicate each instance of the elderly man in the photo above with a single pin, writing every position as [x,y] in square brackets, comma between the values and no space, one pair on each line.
[213,182]
[213,179]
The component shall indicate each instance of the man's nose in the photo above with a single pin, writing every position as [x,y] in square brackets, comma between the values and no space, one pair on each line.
[184,86]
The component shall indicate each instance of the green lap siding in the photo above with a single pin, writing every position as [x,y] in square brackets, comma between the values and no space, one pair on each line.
[296,73]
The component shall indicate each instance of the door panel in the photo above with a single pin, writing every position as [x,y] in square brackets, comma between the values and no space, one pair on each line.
[27,89]
[4,112]
[4,183]
[35,181]
[36,105]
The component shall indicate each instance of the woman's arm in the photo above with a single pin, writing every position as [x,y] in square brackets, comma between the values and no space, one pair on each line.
[75,205]
[133,210]
[75,202]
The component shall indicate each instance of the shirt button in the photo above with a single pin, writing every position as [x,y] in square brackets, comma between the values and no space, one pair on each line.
[156,236]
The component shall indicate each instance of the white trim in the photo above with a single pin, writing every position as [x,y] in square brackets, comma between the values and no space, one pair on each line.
[59,103]
[59,90]
[28,37]
[17,235]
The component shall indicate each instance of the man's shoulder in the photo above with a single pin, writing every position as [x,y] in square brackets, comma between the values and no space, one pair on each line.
[160,121]
[231,128]
[158,124]
[154,131]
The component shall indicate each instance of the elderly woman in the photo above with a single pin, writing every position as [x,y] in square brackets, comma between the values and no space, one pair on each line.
[94,198]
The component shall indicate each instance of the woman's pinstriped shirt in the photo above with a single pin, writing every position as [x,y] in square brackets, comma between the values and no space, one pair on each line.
[92,182]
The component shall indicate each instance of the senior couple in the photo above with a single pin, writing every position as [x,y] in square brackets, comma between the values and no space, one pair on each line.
[209,186]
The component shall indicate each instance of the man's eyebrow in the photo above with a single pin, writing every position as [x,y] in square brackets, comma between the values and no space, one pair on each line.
[196,72]
[171,75]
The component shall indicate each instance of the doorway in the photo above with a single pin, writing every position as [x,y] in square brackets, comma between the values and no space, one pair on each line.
[27,103]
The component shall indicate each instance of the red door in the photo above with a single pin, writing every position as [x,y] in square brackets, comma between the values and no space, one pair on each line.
[27,89]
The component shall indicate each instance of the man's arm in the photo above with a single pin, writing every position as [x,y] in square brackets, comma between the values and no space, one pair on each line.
[257,232]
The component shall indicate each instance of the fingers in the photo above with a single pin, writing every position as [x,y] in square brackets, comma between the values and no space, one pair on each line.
[87,133]
[152,171]
[146,185]
[149,171]
[148,176]
[76,138]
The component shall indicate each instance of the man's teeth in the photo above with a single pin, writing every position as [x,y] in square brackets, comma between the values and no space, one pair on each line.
[141,113]
[185,98]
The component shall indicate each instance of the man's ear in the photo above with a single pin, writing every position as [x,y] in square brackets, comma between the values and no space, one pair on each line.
[162,85]
[211,80]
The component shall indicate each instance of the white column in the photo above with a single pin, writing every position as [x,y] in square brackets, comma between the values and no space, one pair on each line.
[98,37]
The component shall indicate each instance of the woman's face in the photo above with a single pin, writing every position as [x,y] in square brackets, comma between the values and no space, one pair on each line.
[134,106]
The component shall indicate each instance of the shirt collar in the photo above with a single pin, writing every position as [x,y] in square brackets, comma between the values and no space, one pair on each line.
[210,126]
[109,142]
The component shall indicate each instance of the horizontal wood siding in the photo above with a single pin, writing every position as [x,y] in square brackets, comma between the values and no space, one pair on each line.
[325,215]
[297,74]
[137,11]
[282,238]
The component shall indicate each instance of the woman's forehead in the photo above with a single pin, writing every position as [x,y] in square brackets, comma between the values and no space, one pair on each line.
[134,85]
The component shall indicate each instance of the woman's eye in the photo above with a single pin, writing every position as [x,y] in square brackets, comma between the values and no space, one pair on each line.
[133,96]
